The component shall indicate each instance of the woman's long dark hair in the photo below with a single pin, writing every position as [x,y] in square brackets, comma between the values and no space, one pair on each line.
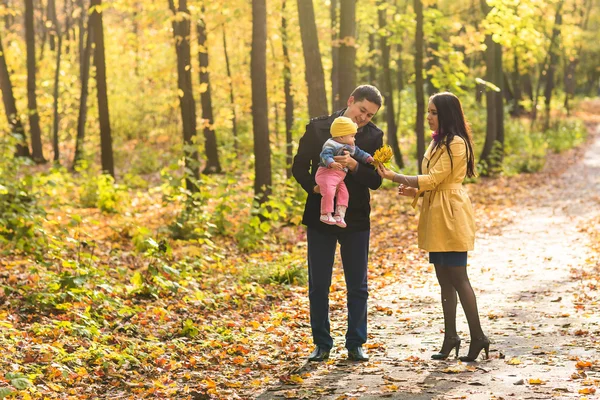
[452,122]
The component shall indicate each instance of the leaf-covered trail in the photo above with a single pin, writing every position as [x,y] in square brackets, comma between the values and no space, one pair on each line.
[536,280]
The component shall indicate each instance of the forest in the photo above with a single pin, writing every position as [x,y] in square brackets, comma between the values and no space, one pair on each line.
[151,243]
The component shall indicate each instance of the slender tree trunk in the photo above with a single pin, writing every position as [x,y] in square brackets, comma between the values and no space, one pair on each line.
[81,30]
[42,29]
[210,138]
[85,78]
[432,61]
[68,7]
[371,64]
[275,88]
[315,77]
[260,117]
[552,67]
[388,88]
[181,33]
[419,91]
[8,18]
[34,118]
[570,70]
[546,66]
[58,34]
[516,80]
[51,15]
[347,68]
[493,148]
[231,95]
[287,90]
[108,166]
[10,106]
[335,54]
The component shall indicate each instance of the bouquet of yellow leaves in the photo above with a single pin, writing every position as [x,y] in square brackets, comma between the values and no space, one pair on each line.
[383,155]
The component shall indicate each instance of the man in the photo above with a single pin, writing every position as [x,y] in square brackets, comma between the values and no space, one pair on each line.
[363,104]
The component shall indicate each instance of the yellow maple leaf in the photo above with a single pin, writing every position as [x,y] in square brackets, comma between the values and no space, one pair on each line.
[536,381]
[296,379]
[514,361]
[588,390]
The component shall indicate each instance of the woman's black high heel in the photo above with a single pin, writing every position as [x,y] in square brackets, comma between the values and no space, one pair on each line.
[451,343]
[475,348]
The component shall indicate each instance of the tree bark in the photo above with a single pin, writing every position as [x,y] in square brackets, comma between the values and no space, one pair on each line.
[289,98]
[231,95]
[493,148]
[181,33]
[82,117]
[34,118]
[388,88]
[260,117]
[56,117]
[108,166]
[51,15]
[545,68]
[81,26]
[516,81]
[419,90]
[213,165]
[347,68]
[315,77]
[335,54]
[10,107]
[552,67]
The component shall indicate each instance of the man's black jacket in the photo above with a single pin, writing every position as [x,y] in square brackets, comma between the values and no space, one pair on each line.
[369,138]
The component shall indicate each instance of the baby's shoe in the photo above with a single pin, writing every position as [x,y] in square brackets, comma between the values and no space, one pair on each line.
[340,213]
[339,221]
[328,219]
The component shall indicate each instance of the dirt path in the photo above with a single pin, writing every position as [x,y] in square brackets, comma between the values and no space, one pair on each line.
[528,300]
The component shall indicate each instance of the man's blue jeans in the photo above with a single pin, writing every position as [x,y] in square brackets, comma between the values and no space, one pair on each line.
[354,249]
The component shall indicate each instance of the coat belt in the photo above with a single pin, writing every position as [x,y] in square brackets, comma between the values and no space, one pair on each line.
[448,186]
[439,188]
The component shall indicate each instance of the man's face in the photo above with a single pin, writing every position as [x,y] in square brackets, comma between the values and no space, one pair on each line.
[361,112]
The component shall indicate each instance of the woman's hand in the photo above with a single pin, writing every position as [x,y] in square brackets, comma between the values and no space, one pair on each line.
[384,172]
[407,191]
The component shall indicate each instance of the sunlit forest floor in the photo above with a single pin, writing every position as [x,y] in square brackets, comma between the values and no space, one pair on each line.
[535,269]
[108,313]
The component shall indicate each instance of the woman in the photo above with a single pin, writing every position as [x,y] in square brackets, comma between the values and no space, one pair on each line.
[446,225]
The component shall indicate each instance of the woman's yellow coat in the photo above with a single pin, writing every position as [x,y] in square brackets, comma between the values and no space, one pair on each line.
[446,222]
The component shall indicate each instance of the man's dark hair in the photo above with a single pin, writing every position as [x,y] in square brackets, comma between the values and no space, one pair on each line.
[369,93]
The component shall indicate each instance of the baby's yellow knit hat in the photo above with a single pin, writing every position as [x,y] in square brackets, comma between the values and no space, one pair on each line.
[343,126]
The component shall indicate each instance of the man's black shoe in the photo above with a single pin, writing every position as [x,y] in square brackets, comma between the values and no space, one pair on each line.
[357,354]
[319,354]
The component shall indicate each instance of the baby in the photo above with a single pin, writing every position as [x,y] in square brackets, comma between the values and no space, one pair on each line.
[330,175]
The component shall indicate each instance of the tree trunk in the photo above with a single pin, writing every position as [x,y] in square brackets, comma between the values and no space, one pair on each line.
[81,26]
[371,62]
[108,166]
[82,117]
[388,92]
[10,107]
[68,7]
[34,118]
[289,98]
[569,78]
[51,15]
[516,81]
[493,148]
[58,35]
[260,117]
[181,33]
[545,67]
[552,67]
[315,77]
[432,60]
[210,138]
[347,69]
[419,91]
[231,95]
[335,54]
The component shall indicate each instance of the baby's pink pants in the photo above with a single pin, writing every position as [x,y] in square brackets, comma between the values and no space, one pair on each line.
[331,183]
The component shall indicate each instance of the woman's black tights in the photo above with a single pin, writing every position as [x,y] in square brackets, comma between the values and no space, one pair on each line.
[455,280]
